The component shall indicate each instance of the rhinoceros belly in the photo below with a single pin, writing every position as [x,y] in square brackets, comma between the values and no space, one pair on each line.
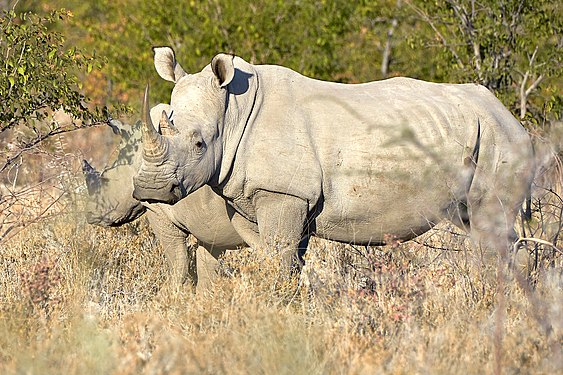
[206,216]
[396,196]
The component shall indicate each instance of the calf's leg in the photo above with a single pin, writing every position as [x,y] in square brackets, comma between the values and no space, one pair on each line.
[181,259]
[207,267]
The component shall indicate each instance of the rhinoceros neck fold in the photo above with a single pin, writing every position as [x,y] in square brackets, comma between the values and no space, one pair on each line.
[243,97]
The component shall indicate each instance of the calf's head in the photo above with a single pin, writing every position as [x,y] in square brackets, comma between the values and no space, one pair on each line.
[110,193]
[110,202]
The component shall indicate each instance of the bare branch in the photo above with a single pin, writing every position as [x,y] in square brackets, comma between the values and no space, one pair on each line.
[525,92]
[534,85]
[466,28]
[29,145]
[536,240]
[387,50]
[445,43]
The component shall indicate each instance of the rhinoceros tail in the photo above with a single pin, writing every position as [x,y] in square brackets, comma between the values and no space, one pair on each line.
[475,155]
[526,212]
[471,161]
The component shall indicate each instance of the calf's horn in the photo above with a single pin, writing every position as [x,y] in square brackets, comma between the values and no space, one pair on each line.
[154,145]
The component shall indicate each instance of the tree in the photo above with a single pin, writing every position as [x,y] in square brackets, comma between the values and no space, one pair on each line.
[303,35]
[510,46]
[39,85]
[38,78]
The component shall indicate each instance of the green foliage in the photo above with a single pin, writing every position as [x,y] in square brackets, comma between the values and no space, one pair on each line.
[305,36]
[509,46]
[381,24]
[38,76]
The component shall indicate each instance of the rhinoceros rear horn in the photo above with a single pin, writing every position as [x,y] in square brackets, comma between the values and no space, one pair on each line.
[165,125]
[154,145]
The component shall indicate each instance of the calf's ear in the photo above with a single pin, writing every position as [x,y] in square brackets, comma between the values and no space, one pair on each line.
[119,128]
[223,68]
[92,177]
[166,65]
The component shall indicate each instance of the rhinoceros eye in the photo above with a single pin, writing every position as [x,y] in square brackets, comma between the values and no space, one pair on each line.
[197,141]
[200,147]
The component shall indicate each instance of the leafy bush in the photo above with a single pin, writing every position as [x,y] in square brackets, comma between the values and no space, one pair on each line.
[40,83]
[512,47]
[39,78]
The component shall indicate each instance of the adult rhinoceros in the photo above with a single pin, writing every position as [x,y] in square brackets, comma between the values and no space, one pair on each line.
[348,162]
[203,214]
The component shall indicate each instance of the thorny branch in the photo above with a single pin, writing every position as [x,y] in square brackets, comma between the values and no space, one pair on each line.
[29,145]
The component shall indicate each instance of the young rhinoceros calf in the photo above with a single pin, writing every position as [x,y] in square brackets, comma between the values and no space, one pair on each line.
[203,214]
[354,163]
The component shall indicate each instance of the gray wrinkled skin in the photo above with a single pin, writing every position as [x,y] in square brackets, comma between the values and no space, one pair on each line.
[352,163]
[203,214]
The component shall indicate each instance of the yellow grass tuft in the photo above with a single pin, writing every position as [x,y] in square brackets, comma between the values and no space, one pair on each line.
[87,300]
[91,300]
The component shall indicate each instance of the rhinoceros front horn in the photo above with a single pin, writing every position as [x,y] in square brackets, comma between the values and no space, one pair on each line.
[154,145]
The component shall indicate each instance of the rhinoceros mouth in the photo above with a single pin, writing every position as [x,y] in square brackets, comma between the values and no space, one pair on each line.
[168,192]
[158,197]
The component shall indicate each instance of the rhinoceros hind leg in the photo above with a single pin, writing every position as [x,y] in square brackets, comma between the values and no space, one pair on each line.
[493,214]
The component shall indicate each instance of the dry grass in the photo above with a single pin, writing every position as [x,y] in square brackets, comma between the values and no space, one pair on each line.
[89,300]
[92,301]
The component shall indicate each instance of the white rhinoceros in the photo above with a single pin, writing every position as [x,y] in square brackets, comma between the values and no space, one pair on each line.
[354,163]
[203,214]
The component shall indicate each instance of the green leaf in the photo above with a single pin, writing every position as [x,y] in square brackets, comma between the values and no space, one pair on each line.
[12,81]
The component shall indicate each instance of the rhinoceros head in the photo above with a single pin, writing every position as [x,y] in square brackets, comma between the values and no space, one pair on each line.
[187,152]
[111,201]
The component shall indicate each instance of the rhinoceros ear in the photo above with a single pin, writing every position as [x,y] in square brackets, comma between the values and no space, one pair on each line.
[92,178]
[166,65]
[223,68]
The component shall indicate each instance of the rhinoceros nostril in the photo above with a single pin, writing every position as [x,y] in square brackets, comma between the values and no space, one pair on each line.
[137,194]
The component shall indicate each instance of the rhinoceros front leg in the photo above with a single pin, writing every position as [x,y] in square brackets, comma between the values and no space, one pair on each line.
[281,222]
[181,260]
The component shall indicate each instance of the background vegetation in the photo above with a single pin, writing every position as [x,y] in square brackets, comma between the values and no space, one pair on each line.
[91,300]
[506,45]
